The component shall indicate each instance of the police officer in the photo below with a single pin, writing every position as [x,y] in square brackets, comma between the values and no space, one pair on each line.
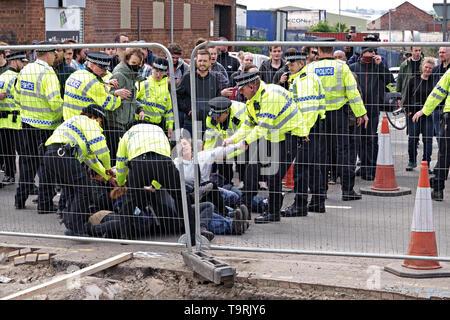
[307,93]
[224,118]
[39,96]
[87,86]
[272,115]
[154,97]
[439,94]
[340,92]
[10,114]
[143,160]
[77,143]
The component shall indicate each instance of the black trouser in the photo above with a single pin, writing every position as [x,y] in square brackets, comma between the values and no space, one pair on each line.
[309,168]
[112,136]
[31,149]
[8,138]
[368,145]
[337,131]
[67,171]
[281,155]
[142,171]
[443,162]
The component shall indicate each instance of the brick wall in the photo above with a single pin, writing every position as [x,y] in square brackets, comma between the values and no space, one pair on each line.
[22,21]
[405,17]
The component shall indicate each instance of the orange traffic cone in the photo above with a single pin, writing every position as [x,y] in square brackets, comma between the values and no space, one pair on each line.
[385,173]
[423,236]
[289,178]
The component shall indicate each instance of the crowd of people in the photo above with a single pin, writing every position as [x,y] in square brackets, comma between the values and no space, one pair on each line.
[98,127]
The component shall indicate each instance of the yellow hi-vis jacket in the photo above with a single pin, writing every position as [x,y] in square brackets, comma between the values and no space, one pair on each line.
[307,92]
[439,93]
[215,130]
[87,137]
[154,97]
[339,84]
[9,108]
[270,113]
[140,139]
[84,88]
[39,96]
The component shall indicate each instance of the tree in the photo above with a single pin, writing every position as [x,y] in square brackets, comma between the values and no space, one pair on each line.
[323,26]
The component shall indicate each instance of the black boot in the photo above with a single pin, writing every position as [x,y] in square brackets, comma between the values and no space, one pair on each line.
[267,218]
[292,211]
[437,195]
[351,195]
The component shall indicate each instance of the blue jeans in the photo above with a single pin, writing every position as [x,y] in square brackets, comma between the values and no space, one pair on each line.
[425,127]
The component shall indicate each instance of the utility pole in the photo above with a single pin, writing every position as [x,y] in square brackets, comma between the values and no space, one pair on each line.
[444,22]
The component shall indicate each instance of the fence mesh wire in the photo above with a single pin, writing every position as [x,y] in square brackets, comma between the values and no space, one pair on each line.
[176,165]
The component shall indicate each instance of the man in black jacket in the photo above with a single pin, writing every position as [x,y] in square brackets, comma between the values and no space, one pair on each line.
[230,63]
[373,76]
[207,87]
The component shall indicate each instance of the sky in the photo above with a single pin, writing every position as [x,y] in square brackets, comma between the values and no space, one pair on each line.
[333,5]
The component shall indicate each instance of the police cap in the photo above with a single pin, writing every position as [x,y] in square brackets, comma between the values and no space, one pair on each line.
[160,64]
[49,49]
[243,79]
[294,56]
[218,105]
[94,110]
[17,55]
[101,59]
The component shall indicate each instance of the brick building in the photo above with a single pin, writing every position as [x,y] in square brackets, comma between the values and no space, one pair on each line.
[99,21]
[405,17]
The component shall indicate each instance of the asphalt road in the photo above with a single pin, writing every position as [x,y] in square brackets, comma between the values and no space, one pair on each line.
[373,225]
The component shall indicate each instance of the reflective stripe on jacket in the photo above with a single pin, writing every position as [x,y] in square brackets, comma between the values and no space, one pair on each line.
[87,136]
[39,96]
[9,107]
[84,88]
[439,94]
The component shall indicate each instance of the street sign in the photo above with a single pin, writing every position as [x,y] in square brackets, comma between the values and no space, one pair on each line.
[439,9]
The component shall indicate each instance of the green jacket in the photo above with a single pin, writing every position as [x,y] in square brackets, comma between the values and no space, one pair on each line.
[404,74]
[124,114]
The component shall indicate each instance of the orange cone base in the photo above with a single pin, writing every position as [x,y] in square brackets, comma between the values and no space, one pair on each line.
[422,244]
[385,179]
[290,178]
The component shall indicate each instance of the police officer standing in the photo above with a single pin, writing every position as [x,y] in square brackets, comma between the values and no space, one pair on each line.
[270,114]
[10,114]
[77,142]
[224,118]
[439,94]
[340,92]
[154,97]
[308,94]
[39,96]
[86,87]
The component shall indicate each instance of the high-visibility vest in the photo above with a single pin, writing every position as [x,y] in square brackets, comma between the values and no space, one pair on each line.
[339,84]
[87,137]
[154,97]
[439,93]
[140,139]
[215,130]
[84,88]
[39,96]
[9,107]
[270,113]
[307,92]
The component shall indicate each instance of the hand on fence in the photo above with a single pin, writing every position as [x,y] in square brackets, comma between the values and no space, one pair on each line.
[227,142]
[150,188]
[117,192]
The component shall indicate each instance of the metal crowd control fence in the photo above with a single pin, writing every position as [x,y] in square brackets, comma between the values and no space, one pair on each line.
[30,224]
[374,227]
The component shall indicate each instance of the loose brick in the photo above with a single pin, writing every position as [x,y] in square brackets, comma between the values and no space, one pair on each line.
[19,260]
[43,258]
[13,254]
[31,258]
[25,251]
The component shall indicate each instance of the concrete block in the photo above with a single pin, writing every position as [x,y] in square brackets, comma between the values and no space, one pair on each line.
[31,258]
[43,258]
[19,260]
[13,254]
[25,251]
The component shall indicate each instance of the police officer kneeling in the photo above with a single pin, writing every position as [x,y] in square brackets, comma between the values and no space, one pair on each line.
[78,141]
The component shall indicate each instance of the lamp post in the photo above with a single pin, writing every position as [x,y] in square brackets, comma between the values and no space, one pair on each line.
[390,23]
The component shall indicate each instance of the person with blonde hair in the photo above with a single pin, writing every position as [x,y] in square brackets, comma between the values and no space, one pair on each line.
[416,93]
